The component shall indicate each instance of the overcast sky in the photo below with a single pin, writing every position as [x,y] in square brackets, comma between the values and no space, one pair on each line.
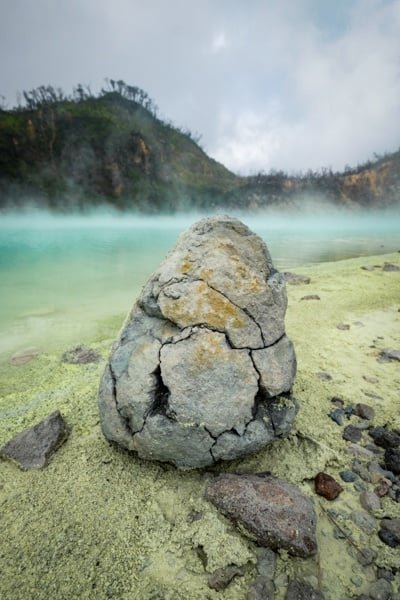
[286,84]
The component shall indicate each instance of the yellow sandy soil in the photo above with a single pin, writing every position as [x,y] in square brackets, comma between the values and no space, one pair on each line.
[99,523]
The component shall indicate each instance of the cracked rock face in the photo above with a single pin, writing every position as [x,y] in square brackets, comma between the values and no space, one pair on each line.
[202,370]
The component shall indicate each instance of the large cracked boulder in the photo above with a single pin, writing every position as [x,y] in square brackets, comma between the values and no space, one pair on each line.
[202,370]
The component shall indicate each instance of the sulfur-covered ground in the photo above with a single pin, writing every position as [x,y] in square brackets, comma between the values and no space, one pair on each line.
[99,523]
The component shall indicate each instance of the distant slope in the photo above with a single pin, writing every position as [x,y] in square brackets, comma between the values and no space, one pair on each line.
[101,149]
[74,152]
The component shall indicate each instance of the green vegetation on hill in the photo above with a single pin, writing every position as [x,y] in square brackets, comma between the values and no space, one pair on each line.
[69,152]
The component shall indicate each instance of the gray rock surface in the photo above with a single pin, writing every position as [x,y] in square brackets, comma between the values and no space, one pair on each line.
[33,447]
[274,512]
[202,370]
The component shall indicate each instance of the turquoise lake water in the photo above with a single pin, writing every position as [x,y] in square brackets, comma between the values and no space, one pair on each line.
[62,277]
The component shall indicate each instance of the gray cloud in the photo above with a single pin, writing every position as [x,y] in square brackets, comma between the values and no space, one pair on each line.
[284,84]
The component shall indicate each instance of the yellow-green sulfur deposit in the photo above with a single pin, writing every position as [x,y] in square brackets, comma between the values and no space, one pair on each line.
[100,523]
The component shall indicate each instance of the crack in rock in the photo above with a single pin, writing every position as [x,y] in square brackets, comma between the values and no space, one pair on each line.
[202,369]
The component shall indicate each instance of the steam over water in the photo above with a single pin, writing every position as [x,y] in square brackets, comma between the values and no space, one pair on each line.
[64,277]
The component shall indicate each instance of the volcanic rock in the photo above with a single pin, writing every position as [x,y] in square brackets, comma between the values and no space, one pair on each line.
[327,486]
[80,355]
[392,460]
[202,369]
[296,279]
[274,512]
[33,447]
[300,590]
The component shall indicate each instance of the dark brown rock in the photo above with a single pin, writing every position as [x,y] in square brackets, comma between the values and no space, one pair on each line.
[327,486]
[295,279]
[221,578]
[33,448]
[273,511]
[311,297]
[80,355]
[364,411]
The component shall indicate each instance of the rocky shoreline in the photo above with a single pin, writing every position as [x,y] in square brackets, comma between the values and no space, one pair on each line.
[97,523]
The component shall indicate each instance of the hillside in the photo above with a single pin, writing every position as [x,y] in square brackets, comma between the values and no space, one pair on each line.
[82,150]
[112,148]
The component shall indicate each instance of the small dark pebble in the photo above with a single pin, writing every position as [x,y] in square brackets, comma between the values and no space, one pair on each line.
[364,411]
[382,488]
[370,501]
[373,448]
[348,476]
[351,434]
[221,578]
[311,297]
[384,574]
[366,556]
[337,415]
[348,410]
[261,589]
[389,538]
[80,355]
[295,279]
[384,437]
[299,590]
[394,494]
[370,379]
[327,486]
[324,376]
[392,460]
[343,326]
[388,354]
[337,401]
[390,267]
[361,470]
[380,590]
[360,486]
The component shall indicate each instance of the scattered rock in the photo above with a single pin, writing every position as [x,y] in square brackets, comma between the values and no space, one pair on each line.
[261,589]
[366,556]
[389,354]
[384,574]
[324,376]
[382,488]
[364,411]
[337,415]
[380,590]
[343,326]
[372,380]
[339,402]
[377,473]
[392,460]
[34,447]
[327,486]
[348,476]
[372,395]
[202,360]
[385,437]
[24,356]
[266,562]
[311,297]
[221,578]
[351,434]
[299,590]
[389,532]
[358,323]
[276,513]
[357,450]
[363,520]
[361,470]
[360,486]
[295,279]
[370,501]
[368,268]
[390,267]
[80,355]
